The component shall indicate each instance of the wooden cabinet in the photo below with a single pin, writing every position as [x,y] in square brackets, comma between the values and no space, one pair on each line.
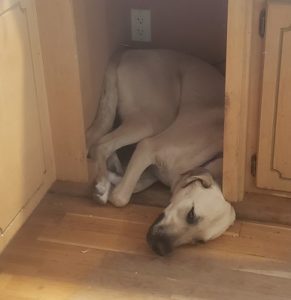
[258,108]
[26,160]
[274,153]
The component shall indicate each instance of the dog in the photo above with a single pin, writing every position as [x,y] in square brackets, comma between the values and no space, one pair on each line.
[172,106]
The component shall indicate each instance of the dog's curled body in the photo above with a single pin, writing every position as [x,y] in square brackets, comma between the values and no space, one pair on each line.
[172,106]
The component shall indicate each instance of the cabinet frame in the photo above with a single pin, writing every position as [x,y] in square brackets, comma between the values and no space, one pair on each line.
[238,64]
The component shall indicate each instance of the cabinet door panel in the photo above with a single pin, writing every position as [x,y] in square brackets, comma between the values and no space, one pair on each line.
[274,157]
[282,143]
[21,150]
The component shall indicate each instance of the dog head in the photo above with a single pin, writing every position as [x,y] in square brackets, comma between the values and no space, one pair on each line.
[197,212]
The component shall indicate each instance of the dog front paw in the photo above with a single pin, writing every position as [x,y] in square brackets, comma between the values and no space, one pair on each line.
[101,191]
[117,199]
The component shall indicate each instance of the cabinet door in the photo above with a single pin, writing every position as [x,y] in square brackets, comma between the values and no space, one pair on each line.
[24,139]
[274,156]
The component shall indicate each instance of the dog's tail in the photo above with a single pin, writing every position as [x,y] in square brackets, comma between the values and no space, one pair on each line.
[107,107]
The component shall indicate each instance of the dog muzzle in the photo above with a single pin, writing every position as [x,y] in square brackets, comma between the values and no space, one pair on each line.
[158,240]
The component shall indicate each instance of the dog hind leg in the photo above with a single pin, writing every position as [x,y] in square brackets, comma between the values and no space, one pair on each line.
[142,158]
[129,132]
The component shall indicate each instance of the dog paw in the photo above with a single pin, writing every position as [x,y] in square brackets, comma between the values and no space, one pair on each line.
[101,191]
[101,200]
[118,200]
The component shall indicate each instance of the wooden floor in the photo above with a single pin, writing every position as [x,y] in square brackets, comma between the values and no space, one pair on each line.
[72,249]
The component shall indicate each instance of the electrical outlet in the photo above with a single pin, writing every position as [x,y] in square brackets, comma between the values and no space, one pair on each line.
[141,25]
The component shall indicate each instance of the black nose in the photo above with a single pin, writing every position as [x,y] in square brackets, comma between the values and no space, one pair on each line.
[161,245]
[158,240]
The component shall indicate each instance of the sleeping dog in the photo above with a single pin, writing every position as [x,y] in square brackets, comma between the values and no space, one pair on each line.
[172,106]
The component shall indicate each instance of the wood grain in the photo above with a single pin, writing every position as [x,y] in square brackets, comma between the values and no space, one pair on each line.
[274,168]
[239,36]
[61,66]
[72,249]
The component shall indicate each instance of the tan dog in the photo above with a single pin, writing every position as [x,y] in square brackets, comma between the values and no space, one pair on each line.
[172,105]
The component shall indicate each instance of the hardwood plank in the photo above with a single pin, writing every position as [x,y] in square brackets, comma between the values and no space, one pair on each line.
[76,205]
[108,228]
[11,296]
[158,195]
[72,249]
[255,240]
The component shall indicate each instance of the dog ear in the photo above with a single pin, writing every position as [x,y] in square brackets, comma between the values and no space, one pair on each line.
[198,174]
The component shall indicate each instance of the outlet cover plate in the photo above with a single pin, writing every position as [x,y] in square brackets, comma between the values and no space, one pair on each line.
[141,25]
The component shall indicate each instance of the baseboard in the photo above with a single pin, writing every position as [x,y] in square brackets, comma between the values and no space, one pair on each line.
[264,208]
[74,189]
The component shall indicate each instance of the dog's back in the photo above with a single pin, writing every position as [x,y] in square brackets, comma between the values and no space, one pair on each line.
[149,86]
[157,83]
[183,94]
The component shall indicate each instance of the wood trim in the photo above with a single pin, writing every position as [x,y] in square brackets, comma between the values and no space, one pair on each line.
[62,71]
[43,100]
[264,208]
[238,62]
[73,189]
